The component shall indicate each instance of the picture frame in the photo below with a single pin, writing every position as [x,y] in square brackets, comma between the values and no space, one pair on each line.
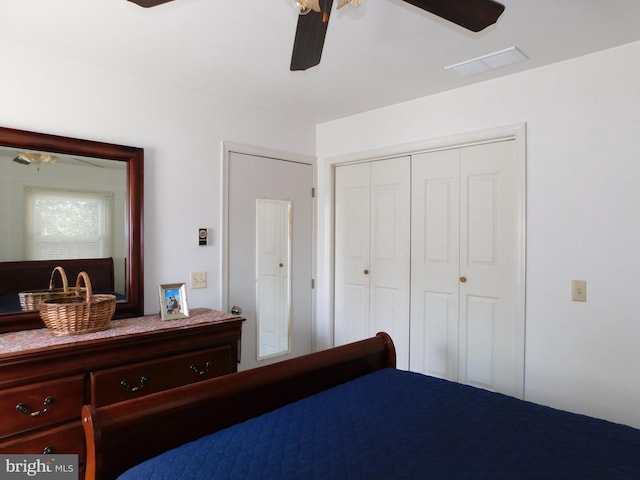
[173,301]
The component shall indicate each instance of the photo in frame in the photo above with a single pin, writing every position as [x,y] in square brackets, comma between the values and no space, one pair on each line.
[173,301]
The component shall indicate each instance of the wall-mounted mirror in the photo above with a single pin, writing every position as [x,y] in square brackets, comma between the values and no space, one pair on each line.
[273,277]
[45,178]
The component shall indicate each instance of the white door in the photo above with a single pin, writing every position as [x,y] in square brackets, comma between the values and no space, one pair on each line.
[352,220]
[467,285]
[372,235]
[435,263]
[249,178]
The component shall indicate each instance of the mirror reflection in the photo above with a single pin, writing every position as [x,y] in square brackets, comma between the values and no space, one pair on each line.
[68,202]
[68,207]
[273,276]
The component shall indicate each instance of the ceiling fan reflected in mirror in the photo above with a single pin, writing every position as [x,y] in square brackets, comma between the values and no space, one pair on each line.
[28,158]
[474,15]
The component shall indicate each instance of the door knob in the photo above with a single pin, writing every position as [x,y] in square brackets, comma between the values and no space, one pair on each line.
[463,279]
[236,310]
[366,272]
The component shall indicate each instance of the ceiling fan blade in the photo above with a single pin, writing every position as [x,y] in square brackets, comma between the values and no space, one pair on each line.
[150,3]
[309,40]
[474,15]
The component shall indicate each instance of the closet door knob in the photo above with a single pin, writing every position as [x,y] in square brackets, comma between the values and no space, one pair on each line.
[463,279]
[366,272]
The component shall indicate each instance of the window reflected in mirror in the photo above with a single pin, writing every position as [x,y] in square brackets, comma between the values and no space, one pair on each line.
[68,224]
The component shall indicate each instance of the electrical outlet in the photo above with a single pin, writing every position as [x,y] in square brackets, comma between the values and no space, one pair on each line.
[579,290]
[198,279]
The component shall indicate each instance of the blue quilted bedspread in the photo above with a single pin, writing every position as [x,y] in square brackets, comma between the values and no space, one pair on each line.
[394,424]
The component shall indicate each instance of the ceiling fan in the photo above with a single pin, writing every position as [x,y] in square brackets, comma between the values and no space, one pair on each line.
[474,15]
[27,158]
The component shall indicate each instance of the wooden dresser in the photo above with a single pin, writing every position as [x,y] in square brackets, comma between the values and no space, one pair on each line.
[45,380]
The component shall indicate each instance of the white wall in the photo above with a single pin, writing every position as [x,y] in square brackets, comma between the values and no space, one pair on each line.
[182,135]
[583,172]
[583,127]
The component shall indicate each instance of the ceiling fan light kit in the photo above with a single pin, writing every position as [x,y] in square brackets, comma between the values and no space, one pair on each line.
[305,6]
[27,158]
[474,15]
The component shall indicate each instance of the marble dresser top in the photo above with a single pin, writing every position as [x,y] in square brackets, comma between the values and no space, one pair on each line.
[24,340]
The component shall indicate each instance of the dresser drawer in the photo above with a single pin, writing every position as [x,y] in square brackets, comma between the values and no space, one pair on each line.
[40,404]
[130,381]
[67,438]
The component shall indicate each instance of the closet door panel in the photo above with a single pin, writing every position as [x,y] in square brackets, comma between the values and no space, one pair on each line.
[479,341]
[491,319]
[390,252]
[435,263]
[352,227]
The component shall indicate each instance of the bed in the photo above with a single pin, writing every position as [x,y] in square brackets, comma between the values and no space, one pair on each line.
[345,413]
[21,276]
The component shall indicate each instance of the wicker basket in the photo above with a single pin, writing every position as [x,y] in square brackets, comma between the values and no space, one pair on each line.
[78,314]
[31,300]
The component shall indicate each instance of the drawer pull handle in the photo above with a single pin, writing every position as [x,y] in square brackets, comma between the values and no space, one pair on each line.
[49,449]
[143,381]
[198,371]
[24,408]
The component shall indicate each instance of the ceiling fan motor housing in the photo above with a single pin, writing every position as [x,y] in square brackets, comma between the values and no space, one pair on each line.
[149,3]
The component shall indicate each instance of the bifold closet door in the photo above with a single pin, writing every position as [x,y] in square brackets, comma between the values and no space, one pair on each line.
[352,246]
[467,283]
[435,245]
[372,252]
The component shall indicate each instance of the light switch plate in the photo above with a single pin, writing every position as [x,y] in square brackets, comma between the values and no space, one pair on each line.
[198,279]
[579,290]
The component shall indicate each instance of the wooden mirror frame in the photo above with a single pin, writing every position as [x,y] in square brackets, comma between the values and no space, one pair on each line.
[134,156]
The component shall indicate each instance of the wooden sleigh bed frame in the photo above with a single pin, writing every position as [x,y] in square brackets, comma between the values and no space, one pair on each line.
[342,414]
[121,435]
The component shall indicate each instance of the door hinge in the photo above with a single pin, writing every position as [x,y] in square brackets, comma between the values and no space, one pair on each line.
[313,192]
[313,283]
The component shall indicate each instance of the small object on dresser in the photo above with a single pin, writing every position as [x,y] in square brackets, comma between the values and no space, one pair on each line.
[30,300]
[78,314]
[173,301]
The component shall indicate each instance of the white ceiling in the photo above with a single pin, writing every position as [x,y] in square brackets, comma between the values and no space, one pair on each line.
[381,53]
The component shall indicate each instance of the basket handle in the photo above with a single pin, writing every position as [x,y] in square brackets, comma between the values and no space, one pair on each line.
[84,277]
[63,275]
